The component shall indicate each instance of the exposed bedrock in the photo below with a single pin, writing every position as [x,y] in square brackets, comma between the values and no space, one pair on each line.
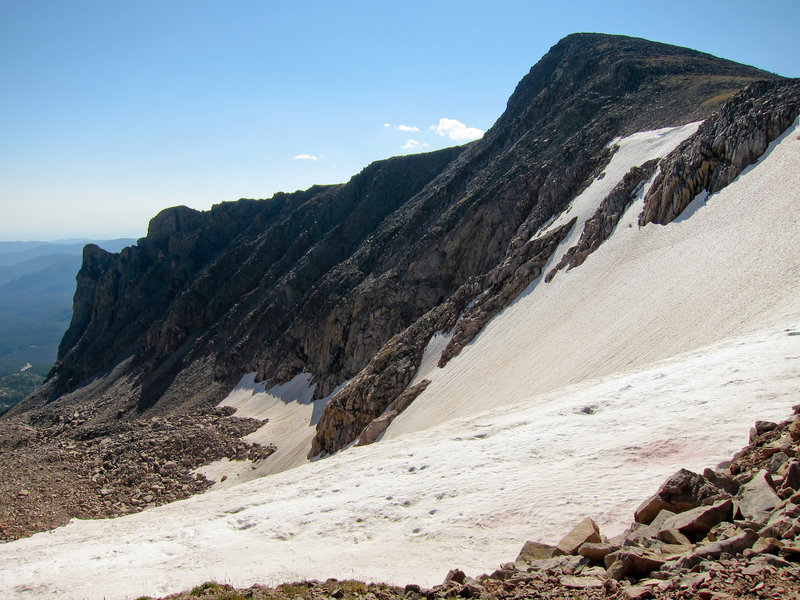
[722,147]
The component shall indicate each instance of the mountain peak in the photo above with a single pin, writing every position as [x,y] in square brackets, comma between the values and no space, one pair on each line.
[321,281]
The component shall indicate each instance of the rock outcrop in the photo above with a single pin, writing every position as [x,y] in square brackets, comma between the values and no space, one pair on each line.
[600,226]
[722,148]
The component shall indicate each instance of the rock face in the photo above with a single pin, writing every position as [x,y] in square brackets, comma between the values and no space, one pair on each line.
[722,148]
[349,282]
[601,225]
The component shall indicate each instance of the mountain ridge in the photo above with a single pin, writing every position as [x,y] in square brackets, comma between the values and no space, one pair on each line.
[504,186]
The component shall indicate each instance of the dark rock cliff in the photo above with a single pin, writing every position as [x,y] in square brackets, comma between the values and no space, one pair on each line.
[349,281]
[722,148]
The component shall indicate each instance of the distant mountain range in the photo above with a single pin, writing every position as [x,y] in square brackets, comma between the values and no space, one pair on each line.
[37,285]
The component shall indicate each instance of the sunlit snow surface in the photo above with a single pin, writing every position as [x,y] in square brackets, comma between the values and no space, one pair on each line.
[657,353]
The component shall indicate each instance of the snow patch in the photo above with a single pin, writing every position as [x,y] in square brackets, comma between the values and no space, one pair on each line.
[292,415]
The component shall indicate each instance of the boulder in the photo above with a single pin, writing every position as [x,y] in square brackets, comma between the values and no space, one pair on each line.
[673,550]
[699,520]
[661,519]
[632,562]
[586,531]
[558,564]
[777,526]
[794,429]
[638,592]
[537,551]
[734,545]
[455,575]
[722,481]
[682,491]
[597,552]
[760,428]
[640,534]
[791,477]
[673,536]
[757,499]
[766,545]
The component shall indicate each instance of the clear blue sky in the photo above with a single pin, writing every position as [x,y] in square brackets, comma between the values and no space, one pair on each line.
[111,111]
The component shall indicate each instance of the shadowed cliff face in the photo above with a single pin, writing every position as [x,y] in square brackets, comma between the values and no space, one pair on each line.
[322,280]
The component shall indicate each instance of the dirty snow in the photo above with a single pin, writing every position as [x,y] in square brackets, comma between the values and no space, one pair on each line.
[657,353]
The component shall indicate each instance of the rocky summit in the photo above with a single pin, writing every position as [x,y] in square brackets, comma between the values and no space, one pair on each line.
[593,239]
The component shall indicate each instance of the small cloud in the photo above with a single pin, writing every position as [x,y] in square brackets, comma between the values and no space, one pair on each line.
[456,130]
[306,157]
[406,128]
[387,125]
[415,145]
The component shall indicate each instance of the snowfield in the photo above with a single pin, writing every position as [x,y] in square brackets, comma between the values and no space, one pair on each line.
[657,353]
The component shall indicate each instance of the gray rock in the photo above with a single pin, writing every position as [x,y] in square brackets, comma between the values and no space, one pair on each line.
[757,498]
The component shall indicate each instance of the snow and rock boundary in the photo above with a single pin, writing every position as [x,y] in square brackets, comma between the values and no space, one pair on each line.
[730,532]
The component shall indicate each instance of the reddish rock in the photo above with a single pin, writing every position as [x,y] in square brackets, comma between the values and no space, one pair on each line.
[586,531]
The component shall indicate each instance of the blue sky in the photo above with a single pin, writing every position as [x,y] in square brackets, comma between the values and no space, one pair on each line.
[111,111]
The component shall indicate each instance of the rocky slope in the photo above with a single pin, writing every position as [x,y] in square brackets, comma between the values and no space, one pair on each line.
[58,466]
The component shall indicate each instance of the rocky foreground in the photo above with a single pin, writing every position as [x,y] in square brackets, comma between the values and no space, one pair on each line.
[730,532]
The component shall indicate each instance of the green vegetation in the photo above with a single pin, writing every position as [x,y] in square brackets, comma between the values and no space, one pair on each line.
[16,385]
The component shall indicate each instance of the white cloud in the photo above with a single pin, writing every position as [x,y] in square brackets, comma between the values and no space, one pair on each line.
[406,128]
[387,125]
[415,145]
[456,130]
[306,157]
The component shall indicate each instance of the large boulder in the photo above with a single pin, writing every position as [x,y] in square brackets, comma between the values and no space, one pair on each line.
[699,520]
[757,499]
[537,551]
[596,552]
[733,545]
[586,531]
[632,562]
[683,491]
